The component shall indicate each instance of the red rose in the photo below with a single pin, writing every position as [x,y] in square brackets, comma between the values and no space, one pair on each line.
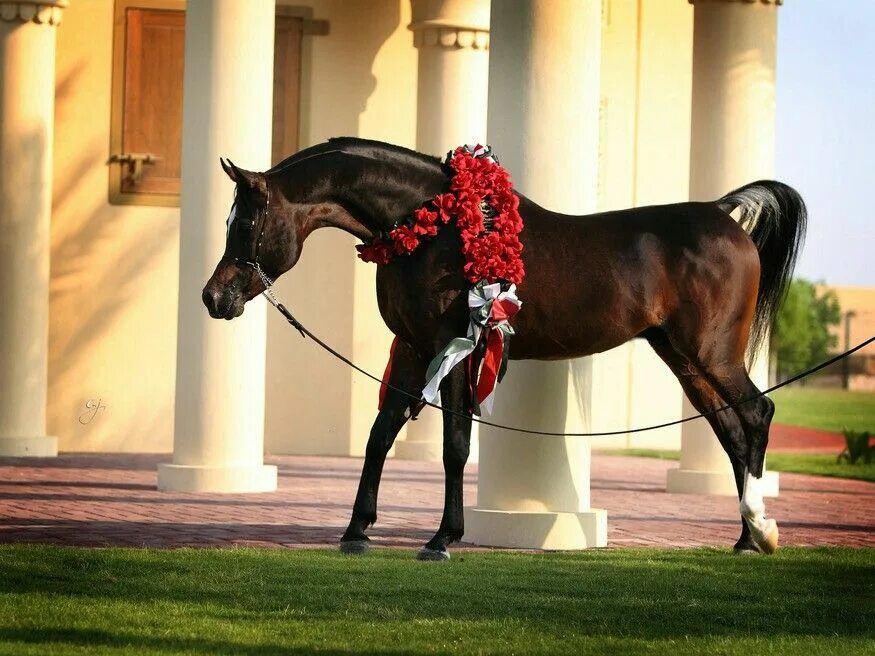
[404,238]
[379,252]
[446,206]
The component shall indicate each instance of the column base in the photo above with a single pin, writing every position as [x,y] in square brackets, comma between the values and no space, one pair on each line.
[424,451]
[198,478]
[691,481]
[536,530]
[45,446]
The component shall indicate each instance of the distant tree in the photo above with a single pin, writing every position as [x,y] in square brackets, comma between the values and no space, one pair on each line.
[801,337]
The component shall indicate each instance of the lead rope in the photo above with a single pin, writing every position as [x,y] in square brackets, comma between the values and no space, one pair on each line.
[268,294]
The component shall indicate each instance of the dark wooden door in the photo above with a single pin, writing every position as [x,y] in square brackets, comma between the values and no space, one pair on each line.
[152,115]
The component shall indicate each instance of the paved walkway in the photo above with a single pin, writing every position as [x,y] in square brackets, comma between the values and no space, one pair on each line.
[100,500]
[793,439]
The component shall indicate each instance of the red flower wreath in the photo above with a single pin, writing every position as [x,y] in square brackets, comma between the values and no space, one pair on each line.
[486,212]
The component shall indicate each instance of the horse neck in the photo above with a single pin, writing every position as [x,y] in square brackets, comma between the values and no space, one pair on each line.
[376,194]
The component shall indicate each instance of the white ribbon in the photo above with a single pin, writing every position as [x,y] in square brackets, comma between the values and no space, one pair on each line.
[480,300]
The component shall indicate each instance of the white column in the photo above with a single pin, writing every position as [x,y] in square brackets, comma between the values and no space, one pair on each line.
[228,91]
[453,41]
[733,143]
[27,108]
[533,492]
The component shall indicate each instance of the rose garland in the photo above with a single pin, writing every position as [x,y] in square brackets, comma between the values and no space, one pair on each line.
[484,208]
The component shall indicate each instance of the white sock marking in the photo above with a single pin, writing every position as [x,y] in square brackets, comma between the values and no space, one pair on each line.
[752,505]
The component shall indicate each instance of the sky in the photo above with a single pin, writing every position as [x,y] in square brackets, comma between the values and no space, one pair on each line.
[826,133]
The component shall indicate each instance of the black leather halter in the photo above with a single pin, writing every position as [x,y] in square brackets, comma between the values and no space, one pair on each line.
[259,223]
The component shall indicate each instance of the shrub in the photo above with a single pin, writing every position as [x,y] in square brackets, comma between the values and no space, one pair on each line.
[857,447]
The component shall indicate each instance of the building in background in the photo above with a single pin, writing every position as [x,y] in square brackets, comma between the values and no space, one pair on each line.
[857,305]
[128,105]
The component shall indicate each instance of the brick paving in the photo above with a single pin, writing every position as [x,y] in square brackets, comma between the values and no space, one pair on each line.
[103,500]
[794,439]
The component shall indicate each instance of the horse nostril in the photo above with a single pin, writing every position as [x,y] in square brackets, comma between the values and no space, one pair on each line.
[210,301]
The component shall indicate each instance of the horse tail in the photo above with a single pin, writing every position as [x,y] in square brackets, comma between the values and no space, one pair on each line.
[774,216]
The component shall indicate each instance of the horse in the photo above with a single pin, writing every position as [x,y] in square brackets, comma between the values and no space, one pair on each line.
[701,287]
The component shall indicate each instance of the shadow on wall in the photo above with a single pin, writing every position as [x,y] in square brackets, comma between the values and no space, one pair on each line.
[310,398]
[22,245]
[113,295]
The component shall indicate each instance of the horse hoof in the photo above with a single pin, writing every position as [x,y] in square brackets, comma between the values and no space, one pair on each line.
[432,554]
[765,536]
[738,551]
[354,547]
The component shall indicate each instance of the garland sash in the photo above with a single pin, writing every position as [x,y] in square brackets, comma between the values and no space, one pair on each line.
[484,209]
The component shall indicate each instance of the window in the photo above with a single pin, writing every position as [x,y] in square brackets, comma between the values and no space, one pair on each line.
[146,129]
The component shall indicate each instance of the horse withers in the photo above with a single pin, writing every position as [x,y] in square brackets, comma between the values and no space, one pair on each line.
[700,286]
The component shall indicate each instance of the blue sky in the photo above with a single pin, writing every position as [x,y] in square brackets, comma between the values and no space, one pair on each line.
[826,132]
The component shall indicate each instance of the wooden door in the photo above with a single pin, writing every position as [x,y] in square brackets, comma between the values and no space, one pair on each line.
[152,119]
[286,86]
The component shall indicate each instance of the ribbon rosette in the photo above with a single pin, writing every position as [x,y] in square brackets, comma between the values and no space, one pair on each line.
[491,308]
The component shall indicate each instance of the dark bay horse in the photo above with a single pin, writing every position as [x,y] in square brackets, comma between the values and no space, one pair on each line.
[699,286]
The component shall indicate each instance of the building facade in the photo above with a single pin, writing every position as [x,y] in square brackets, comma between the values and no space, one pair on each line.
[114,114]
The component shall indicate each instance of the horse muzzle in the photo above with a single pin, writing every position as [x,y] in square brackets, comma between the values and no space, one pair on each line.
[222,304]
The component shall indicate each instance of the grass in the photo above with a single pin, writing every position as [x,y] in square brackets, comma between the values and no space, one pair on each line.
[815,464]
[825,409]
[248,601]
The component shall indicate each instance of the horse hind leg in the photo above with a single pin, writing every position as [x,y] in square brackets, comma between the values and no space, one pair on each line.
[726,424]
[755,412]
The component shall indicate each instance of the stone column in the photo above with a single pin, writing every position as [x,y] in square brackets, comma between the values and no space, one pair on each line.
[533,492]
[27,108]
[453,41]
[228,92]
[733,143]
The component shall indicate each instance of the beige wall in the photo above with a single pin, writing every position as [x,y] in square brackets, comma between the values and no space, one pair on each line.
[114,269]
[361,81]
[112,317]
[644,160]
[113,308]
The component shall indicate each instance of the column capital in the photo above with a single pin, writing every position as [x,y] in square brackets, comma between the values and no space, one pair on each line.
[450,24]
[42,12]
[748,2]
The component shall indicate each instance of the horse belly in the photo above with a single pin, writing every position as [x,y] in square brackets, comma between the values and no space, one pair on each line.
[561,340]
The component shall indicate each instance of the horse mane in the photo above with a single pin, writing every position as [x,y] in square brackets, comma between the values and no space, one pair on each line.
[369,148]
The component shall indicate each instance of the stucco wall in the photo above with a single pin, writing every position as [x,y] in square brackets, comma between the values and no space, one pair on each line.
[360,80]
[112,335]
[114,269]
[112,318]
[644,160]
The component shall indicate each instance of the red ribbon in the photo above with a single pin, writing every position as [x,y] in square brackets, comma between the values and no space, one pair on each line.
[501,310]
[491,364]
[386,374]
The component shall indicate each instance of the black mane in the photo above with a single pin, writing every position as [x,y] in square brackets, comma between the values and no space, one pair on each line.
[369,148]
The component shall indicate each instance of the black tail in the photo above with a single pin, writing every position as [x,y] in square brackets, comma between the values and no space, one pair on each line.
[775,217]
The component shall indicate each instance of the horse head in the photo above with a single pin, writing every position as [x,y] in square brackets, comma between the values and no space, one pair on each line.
[265,231]
[359,186]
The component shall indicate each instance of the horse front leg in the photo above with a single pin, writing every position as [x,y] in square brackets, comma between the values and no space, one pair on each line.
[455,396]
[408,373]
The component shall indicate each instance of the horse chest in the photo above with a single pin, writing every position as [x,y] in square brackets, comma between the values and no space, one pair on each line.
[422,304]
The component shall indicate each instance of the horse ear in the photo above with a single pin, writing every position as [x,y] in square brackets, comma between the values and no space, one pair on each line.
[249,179]
[229,168]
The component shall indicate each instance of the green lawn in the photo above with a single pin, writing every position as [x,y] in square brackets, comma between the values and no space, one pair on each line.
[248,601]
[817,464]
[826,409]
